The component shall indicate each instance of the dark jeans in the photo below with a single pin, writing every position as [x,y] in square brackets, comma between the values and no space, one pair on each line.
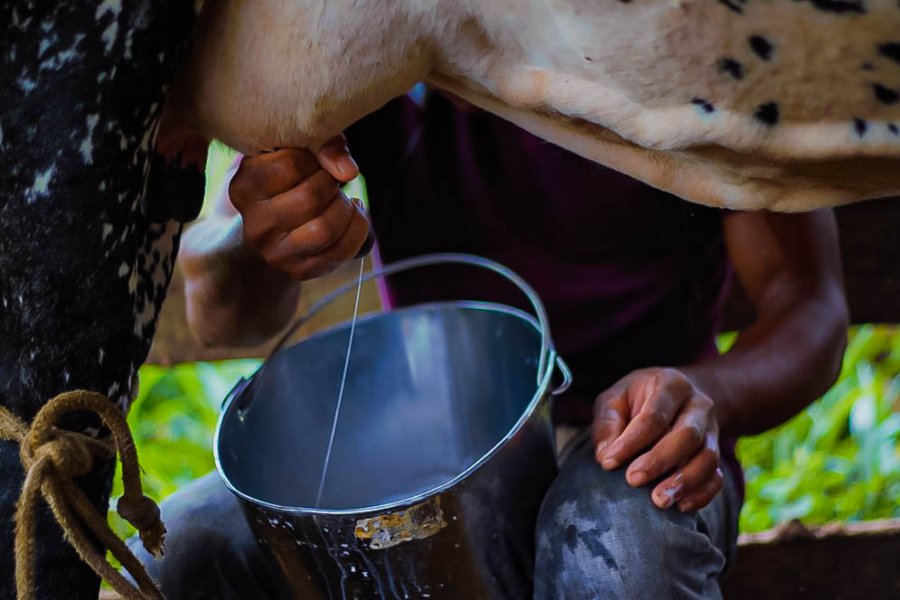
[597,537]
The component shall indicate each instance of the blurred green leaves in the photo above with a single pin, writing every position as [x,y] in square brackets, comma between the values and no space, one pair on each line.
[173,420]
[839,459]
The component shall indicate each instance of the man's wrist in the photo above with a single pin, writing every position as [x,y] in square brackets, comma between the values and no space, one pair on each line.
[706,378]
[234,297]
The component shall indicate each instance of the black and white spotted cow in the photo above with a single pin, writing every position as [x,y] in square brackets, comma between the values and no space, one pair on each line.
[782,104]
[85,253]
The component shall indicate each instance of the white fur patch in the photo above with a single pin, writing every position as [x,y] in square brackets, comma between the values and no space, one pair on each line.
[87,144]
[110,34]
[109,6]
[41,186]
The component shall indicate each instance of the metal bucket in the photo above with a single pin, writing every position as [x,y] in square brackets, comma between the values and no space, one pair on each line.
[442,455]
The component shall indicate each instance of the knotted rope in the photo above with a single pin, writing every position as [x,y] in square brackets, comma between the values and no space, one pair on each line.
[52,458]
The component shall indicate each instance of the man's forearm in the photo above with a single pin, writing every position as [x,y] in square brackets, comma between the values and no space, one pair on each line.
[778,366]
[233,296]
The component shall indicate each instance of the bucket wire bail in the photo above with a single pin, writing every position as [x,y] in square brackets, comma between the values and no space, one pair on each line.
[547,356]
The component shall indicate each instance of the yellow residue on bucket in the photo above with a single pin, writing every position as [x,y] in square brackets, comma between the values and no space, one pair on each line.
[415,523]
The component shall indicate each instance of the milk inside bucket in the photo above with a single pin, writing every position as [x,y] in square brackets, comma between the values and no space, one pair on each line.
[442,452]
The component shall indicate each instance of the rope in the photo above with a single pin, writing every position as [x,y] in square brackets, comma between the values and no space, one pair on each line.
[52,458]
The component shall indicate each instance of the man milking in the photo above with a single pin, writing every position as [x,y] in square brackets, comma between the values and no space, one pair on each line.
[649,490]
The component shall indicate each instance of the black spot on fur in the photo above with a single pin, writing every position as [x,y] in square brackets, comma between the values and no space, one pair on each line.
[732,67]
[891,50]
[734,5]
[884,94]
[762,47]
[767,113]
[893,129]
[839,6]
[860,126]
[704,104]
[868,67]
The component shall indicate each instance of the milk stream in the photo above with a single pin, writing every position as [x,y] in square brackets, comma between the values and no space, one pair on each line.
[337,408]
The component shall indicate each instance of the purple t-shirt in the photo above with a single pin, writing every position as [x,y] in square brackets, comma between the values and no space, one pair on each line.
[631,276]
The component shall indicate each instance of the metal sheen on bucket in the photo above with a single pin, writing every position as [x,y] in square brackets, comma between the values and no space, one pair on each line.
[441,456]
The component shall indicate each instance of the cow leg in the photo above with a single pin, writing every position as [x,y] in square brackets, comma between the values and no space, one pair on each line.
[83,269]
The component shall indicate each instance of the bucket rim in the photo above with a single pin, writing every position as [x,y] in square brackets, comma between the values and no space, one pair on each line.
[541,394]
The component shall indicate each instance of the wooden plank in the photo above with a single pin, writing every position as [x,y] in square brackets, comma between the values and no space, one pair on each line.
[870,250]
[850,561]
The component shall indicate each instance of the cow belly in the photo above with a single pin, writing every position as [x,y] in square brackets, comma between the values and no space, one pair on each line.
[779,104]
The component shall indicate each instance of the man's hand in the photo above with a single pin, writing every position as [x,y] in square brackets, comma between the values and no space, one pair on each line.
[660,417]
[295,213]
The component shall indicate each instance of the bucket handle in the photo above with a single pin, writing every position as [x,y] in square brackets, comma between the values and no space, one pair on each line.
[566,373]
[449,258]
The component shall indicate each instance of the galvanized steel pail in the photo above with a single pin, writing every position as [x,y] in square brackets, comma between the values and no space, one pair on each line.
[442,454]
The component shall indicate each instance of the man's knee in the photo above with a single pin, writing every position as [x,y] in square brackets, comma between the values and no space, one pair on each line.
[210,551]
[599,537]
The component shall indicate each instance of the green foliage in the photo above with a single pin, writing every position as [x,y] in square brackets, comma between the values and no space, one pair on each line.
[836,461]
[174,420]
[218,161]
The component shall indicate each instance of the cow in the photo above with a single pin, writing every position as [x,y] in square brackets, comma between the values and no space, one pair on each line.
[779,104]
[747,104]
[87,236]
